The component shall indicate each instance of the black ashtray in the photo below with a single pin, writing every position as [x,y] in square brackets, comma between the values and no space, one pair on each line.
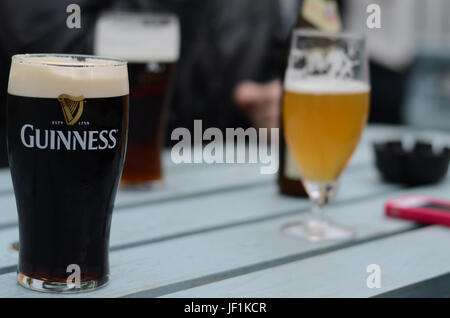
[418,166]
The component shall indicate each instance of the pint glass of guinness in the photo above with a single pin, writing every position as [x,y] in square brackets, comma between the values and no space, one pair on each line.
[67,119]
[151,44]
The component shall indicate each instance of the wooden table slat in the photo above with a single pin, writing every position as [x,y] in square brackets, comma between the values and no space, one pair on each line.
[214,254]
[403,259]
[147,224]
[220,224]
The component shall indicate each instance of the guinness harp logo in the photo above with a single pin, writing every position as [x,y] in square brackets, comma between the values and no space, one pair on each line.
[72,108]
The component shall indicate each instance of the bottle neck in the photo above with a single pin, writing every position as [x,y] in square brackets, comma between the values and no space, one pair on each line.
[320,14]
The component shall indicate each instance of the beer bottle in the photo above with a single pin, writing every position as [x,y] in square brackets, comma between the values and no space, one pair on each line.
[324,16]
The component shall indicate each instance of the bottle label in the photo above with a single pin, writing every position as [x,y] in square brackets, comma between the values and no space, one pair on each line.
[291,170]
[322,14]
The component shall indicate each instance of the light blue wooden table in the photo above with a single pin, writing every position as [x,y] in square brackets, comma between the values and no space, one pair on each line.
[214,231]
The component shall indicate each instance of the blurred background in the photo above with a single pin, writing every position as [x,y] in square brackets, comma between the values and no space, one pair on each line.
[233,53]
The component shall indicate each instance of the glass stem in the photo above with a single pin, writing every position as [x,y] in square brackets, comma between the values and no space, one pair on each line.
[320,193]
[316,210]
[316,227]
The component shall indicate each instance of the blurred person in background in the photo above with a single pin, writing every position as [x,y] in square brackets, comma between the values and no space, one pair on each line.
[232,52]
[223,43]
[391,49]
[392,52]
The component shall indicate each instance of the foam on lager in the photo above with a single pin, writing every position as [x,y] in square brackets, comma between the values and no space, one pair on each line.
[323,121]
[67,120]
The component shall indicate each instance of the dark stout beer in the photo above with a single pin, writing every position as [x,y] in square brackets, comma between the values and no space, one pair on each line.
[150,92]
[67,132]
[150,43]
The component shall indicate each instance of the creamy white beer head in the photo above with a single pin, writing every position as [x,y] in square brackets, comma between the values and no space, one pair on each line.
[138,37]
[328,86]
[48,76]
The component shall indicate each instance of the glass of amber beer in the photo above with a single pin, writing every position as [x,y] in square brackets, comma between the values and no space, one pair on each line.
[67,118]
[325,108]
[151,44]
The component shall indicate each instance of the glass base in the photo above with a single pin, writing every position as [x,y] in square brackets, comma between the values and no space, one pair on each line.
[60,287]
[318,231]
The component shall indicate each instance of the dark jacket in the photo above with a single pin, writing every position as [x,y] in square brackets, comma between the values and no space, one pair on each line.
[223,43]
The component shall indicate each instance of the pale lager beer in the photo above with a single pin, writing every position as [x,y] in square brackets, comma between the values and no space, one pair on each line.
[323,122]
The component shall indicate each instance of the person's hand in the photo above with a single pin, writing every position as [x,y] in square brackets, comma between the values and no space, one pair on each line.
[260,102]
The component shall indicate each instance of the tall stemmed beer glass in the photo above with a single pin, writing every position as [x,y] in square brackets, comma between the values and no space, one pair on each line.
[325,109]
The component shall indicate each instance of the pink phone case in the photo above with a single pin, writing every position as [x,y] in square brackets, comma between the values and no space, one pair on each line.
[410,207]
